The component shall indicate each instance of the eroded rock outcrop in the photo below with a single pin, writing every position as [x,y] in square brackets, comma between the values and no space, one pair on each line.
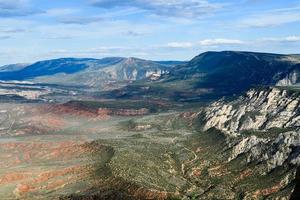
[257,110]
[273,151]
[291,79]
[264,125]
[262,131]
[251,145]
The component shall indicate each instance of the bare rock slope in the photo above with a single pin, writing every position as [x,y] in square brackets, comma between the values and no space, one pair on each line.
[263,125]
[257,110]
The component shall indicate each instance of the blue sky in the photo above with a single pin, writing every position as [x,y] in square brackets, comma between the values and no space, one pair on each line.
[32,30]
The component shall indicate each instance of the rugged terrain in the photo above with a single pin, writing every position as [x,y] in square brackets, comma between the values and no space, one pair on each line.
[212,75]
[166,135]
[258,110]
[129,150]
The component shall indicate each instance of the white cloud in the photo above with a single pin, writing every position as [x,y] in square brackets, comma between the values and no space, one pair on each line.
[220,41]
[61,12]
[293,39]
[282,39]
[95,30]
[180,45]
[102,51]
[272,18]
[171,8]
[205,43]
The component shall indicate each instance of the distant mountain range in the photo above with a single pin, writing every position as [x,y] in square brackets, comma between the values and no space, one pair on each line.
[209,75]
[88,72]
[212,75]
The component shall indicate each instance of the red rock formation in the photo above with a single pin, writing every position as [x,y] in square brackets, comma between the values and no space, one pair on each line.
[99,113]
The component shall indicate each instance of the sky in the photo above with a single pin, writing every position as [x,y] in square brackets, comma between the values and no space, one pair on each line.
[32,30]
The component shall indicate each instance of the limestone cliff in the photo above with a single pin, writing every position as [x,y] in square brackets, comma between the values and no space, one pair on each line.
[263,125]
[262,109]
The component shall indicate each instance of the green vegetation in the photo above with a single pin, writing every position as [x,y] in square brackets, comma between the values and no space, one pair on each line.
[121,104]
[271,133]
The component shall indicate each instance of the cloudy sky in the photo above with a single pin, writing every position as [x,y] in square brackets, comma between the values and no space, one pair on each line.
[32,30]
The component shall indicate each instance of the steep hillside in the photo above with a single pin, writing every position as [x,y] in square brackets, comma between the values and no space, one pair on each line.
[215,74]
[263,125]
[255,139]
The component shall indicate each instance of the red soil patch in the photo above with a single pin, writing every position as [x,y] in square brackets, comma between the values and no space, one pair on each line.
[29,152]
[70,110]
[45,177]
[13,177]
[218,171]
[104,113]
[243,175]
[36,178]
[77,109]
[22,189]
[268,191]
[197,172]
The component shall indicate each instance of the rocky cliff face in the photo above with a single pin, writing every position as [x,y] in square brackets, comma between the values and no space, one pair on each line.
[291,79]
[263,126]
[258,110]
[131,69]
[274,152]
